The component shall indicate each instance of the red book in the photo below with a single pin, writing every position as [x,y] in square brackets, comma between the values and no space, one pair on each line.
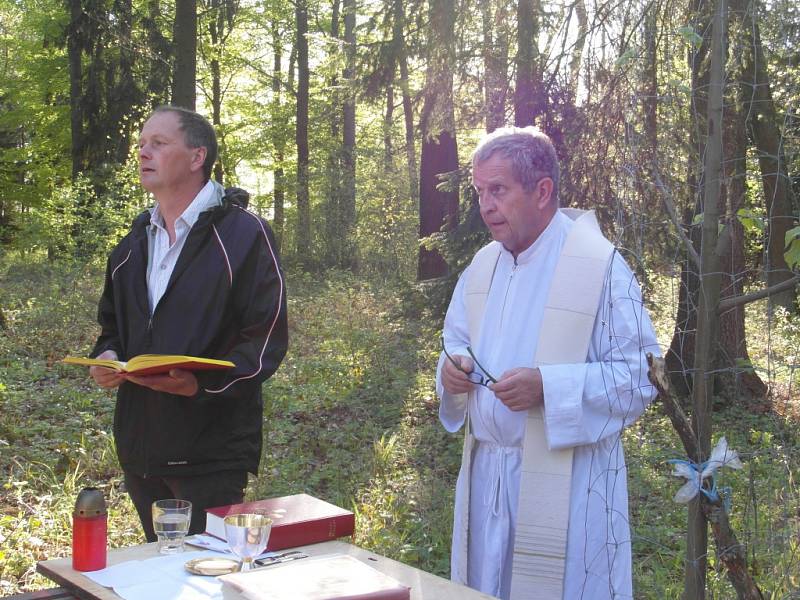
[297,520]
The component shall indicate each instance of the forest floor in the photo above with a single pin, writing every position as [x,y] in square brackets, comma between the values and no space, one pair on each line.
[351,417]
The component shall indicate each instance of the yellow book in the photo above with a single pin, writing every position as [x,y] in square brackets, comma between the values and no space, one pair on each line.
[153,364]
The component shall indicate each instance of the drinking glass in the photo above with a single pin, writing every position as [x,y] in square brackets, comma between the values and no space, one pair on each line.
[171,523]
[247,536]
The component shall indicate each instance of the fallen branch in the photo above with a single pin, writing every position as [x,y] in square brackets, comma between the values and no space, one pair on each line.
[730,551]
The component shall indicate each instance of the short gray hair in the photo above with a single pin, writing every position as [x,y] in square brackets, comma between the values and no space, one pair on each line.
[530,151]
[197,133]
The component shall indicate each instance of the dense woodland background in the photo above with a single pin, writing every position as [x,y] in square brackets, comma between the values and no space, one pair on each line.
[351,125]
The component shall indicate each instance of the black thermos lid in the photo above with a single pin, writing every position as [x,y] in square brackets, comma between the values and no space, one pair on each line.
[90,503]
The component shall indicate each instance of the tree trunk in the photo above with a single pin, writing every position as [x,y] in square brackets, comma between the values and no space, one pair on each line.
[495,63]
[126,96]
[184,36]
[216,28]
[731,553]
[577,51]
[707,322]
[529,98]
[408,110]
[437,208]
[74,46]
[334,241]
[650,87]
[778,194]
[303,235]
[348,205]
[735,381]
[160,51]
[277,126]
[680,356]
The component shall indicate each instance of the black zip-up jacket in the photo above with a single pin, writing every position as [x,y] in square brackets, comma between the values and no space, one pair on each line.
[226,299]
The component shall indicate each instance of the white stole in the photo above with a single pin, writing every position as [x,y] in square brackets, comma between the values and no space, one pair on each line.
[543,515]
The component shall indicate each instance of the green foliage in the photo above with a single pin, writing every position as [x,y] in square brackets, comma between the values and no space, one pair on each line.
[55,431]
[752,222]
[690,36]
[351,416]
[792,245]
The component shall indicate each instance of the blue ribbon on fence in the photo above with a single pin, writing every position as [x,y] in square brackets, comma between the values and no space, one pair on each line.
[710,494]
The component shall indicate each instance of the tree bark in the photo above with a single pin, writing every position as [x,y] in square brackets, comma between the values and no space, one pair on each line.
[680,356]
[735,383]
[707,322]
[125,97]
[160,52]
[348,205]
[730,551]
[495,63]
[529,97]
[437,208]
[221,13]
[303,234]
[277,127]
[408,110]
[577,51]
[74,52]
[334,242]
[775,179]
[184,36]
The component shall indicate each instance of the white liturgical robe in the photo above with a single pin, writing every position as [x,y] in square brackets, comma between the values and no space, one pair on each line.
[586,406]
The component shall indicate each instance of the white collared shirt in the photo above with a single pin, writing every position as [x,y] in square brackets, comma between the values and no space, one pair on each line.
[163,257]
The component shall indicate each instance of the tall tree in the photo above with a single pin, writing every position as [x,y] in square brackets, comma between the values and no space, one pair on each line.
[776,181]
[398,38]
[529,98]
[125,96]
[75,43]
[278,136]
[221,21]
[158,78]
[303,234]
[333,198]
[184,37]
[710,278]
[348,198]
[438,207]
[495,61]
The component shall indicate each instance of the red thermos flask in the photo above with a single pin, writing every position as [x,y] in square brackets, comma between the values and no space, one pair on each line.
[89,529]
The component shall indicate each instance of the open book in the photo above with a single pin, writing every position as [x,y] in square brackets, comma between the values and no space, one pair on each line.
[325,577]
[153,364]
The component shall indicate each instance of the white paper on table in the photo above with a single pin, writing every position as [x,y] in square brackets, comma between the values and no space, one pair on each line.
[159,577]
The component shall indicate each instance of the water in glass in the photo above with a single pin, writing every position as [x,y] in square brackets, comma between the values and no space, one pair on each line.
[171,519]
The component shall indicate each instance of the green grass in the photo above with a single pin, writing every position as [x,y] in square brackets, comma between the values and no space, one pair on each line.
[351,416]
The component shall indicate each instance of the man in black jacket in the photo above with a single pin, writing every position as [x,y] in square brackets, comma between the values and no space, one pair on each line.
[197,275]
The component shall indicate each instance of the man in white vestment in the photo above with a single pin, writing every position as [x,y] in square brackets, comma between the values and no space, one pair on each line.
[584,404]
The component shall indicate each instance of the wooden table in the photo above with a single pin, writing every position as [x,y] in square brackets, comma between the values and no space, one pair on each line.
[424,586]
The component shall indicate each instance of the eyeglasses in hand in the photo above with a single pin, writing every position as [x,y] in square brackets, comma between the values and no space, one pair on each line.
[473,376]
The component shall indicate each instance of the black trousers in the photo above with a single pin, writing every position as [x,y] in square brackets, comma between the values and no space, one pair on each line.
[203,491]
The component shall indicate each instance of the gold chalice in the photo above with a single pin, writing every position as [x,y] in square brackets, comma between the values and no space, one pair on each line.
[247,536]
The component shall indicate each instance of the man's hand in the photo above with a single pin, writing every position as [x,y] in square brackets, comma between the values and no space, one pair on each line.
[178,381]
[455,380]
[520,388]
[106,378]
